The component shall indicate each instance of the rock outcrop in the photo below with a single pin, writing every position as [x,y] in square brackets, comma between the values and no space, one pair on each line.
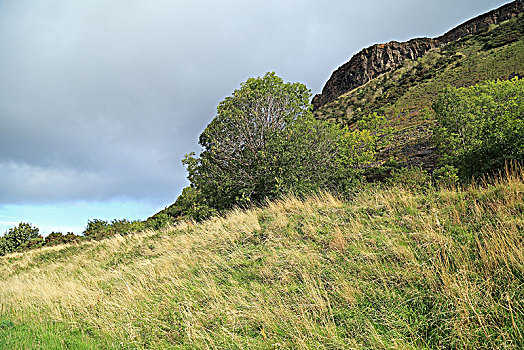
[482,22]
[382,58]
[369,64]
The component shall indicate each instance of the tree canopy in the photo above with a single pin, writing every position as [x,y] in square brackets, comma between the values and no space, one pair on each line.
[262,142]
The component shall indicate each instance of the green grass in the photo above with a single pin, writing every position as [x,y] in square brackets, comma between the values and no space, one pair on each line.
[48,336]
[393,268]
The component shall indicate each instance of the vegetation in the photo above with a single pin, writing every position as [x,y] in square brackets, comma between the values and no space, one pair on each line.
[494,54]
[405,95]
[264,143]
[393,267]
[98,229]
[389,256]
[261,142]
[480,128]
[17,237]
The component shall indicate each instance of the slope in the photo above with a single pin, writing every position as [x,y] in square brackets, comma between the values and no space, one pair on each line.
[392,268]
[406,93]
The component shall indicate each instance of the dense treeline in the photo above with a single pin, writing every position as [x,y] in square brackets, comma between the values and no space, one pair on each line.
[24,236]
[264,144]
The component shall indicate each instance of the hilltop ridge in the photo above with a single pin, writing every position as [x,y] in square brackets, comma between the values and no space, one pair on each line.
[378,59]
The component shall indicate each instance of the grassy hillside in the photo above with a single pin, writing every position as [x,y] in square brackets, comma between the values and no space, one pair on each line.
[392,268]
[407,93]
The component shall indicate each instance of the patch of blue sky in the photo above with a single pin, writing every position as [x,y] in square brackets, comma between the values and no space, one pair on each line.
[72,217]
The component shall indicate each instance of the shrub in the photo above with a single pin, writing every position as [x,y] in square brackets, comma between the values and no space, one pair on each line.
[480,128]
[17,236]
[446,175]
[125,227]
[56,238]
[158,221]
[415,179]
[98,229]
[190,205]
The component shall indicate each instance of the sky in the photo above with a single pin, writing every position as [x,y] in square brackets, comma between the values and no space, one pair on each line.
[101,99]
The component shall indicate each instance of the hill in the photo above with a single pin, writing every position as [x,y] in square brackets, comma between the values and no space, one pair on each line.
[402,80]
[391,268]
[402,263]
[382,58]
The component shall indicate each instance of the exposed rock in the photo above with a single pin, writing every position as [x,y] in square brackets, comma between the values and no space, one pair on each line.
[382,58]
[482,22]
[370,63]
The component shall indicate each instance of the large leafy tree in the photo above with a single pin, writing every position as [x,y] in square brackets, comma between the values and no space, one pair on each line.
[263,142]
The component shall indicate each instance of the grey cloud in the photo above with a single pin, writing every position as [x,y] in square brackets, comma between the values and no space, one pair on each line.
[100,99]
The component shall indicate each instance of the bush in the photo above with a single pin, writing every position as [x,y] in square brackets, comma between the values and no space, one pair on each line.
[190,205]
[415,179]
[446,175]
[480,128]
[125,227]
[98,229]
[56,238]
[158,221]
[17,236]
[32,243]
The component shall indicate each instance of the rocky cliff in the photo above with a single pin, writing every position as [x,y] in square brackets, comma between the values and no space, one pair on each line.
[482,22]
[370,63]
[381,58]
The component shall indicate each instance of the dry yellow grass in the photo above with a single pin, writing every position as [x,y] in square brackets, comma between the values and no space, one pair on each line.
[389,269]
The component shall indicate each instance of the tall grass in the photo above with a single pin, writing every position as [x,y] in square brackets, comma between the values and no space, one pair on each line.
[392,268]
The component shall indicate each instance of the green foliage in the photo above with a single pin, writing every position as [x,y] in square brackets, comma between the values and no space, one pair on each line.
[16,237]
[480,128]
[98,229]
[414,179]
[446,175]
[359,145]
[158,221]
[32,243]
[125,226]
[263,143]
[190,205]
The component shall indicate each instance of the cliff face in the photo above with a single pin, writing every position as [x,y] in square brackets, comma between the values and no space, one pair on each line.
[381,58]
[370,63]
[482,22]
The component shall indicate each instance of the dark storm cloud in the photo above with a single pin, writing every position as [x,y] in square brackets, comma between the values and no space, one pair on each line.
[100,99]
